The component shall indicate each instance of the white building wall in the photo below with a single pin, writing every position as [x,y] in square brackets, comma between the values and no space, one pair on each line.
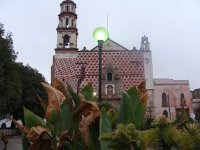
[148,69]
[173,88]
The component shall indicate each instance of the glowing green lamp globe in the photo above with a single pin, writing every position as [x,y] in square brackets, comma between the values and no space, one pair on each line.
[100,34]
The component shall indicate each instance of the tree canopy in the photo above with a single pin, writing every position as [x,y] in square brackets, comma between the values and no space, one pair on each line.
[19,84]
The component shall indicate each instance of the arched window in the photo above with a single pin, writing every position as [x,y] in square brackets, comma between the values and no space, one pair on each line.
[165,113]
[110,90]
[67,22]
[67,9]
[66,40]
[109,76]
[164,100]
[182,99]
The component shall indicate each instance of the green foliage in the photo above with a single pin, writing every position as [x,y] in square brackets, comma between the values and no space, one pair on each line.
[185,142]
[94,137]
[32,120]
[170,135]
[88,92]
[125,137]
[138,107]
[126,109]
[66,119]
[10,84]
[192,131]
[131,109]
[105,129]
[112,113]
[30,87]
[54,118]
[25,143]
[18,83]
[148,139]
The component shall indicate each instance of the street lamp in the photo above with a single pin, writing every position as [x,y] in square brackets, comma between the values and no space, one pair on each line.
[100,34]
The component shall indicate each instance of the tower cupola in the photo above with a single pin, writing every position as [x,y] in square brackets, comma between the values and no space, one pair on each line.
[145,45]
[67,31]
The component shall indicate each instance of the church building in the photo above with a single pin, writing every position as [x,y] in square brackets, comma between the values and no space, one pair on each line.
[121,68]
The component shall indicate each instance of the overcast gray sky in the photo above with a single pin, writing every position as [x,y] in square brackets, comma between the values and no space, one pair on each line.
[173,28]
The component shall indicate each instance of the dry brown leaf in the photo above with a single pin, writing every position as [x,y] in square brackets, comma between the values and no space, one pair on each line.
[63,136]
[87,113]
[35,132]
[143,93]
[58,84]
[55,99]
[85,124]
[22,128]
[42,103]
[44,142]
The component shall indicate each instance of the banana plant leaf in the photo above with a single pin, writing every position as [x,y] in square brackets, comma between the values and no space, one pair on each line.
[138,107]
[105,128]
[66,121]
[88,92]
[32,120]
[126,109]
[94,136]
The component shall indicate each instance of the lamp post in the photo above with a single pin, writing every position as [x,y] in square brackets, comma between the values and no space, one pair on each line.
[100,34]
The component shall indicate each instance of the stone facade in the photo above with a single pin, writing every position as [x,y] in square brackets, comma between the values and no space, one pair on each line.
[170,96]
[121,68]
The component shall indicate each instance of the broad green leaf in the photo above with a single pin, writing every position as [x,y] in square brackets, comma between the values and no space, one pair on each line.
[66,121]
[77,139]
[137,106]
[139,116]
[125,109]
[32,120]
[88,92]
[94,136]
[74,96]
[105,127]
[25,143]
[54,117]
[134,95]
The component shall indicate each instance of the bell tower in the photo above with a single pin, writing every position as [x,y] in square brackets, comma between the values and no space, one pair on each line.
[145,44]
[67,31]
[148,69]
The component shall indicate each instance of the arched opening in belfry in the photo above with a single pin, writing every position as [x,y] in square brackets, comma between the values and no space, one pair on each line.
[67,8]
[66,40]
[67,22]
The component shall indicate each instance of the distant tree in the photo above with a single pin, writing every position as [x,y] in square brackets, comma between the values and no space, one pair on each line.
[30,79]
[10,84]
[19,84]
